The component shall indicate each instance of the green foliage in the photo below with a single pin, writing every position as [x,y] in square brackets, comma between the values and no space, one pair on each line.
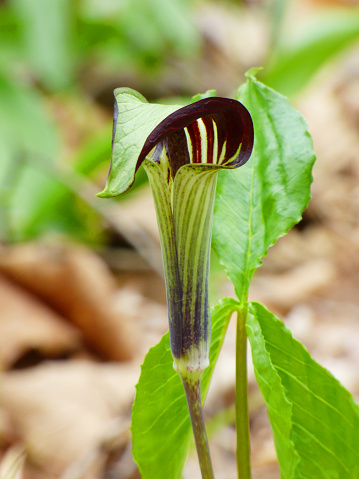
[24,130]
[24,124]
[262,200]
[162,24]
[296,61]
[46,39]
[161,427]
[315,420]
[201,96]
[110,30]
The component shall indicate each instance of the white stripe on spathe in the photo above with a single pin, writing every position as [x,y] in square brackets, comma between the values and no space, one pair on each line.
[203,134]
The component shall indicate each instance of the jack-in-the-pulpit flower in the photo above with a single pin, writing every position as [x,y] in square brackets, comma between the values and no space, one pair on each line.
[182,151]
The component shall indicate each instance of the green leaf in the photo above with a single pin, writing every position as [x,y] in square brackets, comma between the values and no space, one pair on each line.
[24,122]
[262,200]
[314,418]
[297,61]
[161,427]
[47,39]
[25,130]
[201,96]
[166,28]
[10,48]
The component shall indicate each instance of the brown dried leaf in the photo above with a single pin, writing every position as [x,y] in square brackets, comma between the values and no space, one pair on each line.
[63,411]
[27,324]
[281,292]
[77,283]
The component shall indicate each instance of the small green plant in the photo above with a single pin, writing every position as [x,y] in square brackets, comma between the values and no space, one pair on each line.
[184,150]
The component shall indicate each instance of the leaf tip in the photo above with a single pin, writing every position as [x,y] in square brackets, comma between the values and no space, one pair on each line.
[252,73]
[202,96]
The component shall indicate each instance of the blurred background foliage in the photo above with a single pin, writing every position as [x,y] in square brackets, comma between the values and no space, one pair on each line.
[61,59]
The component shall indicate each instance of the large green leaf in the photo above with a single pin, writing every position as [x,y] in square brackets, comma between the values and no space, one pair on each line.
[297,61]
[109,32]
[47,39]
[24,122]
[161,425]
[262,200]
[25,129]
[10,49]
[314,418]
[166,27]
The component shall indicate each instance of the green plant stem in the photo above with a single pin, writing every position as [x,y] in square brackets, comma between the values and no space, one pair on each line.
[193,395]
[241,402]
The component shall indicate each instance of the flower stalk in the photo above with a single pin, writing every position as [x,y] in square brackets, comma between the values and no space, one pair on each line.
[182,151]
[193,395]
